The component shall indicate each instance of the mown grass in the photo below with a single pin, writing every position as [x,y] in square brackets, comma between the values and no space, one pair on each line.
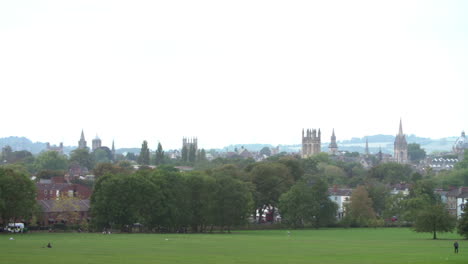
[391,245]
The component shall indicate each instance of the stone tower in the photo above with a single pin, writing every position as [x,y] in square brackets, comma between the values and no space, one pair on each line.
[96,143]
[82,142]
[190,143]
[333,147]
[400,150]
[310,142]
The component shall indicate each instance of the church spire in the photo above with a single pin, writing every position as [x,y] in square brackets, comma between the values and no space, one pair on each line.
[333,147]
[82,142]
[400,131]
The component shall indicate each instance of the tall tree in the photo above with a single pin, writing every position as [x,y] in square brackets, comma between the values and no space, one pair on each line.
[51,160]
[271,180]
[17,195]
[391,173]
[307,203]
[159,157]
[360,210]
[82,157]
[232,202]
[144,158]
[421,196]
[462,227]
[415,152]
[434,218]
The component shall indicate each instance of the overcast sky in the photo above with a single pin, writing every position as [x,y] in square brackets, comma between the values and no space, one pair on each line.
[231,71]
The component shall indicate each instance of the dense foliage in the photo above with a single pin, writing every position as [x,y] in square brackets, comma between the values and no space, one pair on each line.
[169,201]
[17,195]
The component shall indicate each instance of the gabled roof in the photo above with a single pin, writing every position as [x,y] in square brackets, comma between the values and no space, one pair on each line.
[340,192]
[49,206]
[51,186]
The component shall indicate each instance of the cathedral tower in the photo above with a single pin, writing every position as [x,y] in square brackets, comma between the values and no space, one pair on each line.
[400,151]
[311,142]
[96,143]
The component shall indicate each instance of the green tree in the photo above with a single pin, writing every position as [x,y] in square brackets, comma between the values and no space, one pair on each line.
[360,211]
[307,203]
[462,226]
[102,155]
[144,158]
[378,193]
[51,160]
[159,158]
[67,209]
[102,169]
[200,191]
[294,165]
[434,218]
[17,195]
[421,195]
[395,207]
[232,202]
[83,158]
[415,152]
[265,151]
[391,172]
[271,180]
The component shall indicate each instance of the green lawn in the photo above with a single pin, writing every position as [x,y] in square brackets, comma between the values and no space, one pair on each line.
[303,246]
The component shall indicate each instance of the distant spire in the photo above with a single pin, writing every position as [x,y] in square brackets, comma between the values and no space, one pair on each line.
[82,135]
[400,131]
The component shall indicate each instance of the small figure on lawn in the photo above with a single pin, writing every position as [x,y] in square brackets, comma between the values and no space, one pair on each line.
[49,245]
[455,245]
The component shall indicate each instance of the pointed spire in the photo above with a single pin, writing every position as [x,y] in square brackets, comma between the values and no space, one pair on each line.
[82,135]
[400,131]
[333,132]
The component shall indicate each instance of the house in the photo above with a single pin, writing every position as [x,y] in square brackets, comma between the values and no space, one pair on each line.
[462,202]
[400,188]
[456,200]
[341,197]
[65,210]
[52,191]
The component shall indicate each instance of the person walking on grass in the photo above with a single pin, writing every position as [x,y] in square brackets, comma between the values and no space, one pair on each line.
[455,245]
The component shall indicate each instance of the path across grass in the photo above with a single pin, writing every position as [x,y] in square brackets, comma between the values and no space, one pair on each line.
[391,245]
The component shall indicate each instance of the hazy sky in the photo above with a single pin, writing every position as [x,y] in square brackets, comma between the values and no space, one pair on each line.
[231,71]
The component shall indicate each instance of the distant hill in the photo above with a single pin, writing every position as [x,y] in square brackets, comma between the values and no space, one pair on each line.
[22,143]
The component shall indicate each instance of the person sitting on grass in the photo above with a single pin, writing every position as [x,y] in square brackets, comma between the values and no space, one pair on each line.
[49,245]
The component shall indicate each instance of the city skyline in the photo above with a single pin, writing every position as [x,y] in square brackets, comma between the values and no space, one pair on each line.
[228,73]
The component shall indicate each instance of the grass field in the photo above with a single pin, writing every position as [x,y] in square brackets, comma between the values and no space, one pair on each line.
[389,245]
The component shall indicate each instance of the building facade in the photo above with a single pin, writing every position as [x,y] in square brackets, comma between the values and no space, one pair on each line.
[311,142]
